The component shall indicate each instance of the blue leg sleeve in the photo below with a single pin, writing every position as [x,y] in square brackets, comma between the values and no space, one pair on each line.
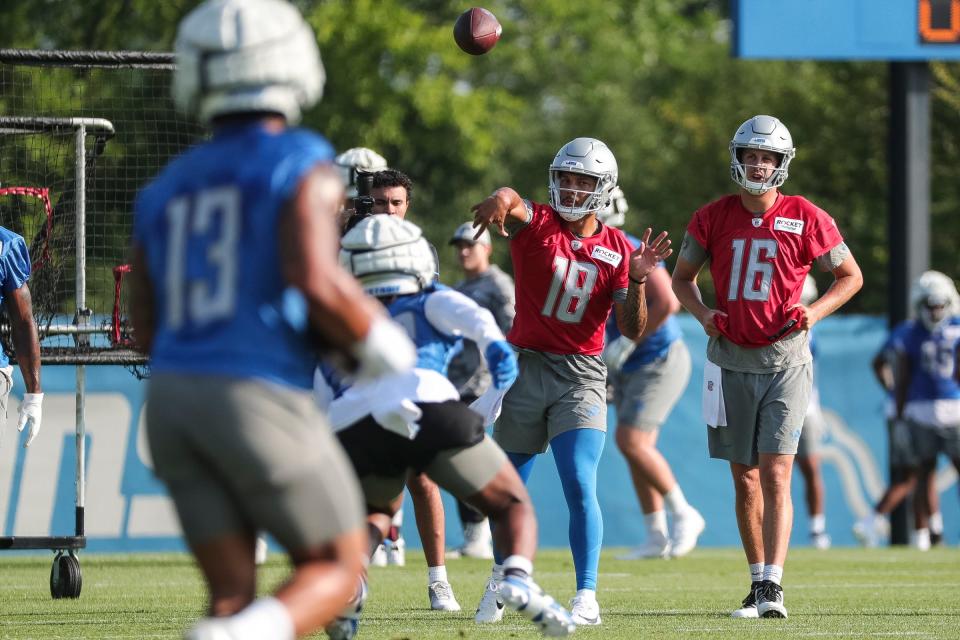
[577,456]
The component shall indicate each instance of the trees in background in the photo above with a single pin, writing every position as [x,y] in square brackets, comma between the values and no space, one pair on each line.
[655,80]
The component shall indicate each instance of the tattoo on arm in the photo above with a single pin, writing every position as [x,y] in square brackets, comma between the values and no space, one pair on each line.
[635,310]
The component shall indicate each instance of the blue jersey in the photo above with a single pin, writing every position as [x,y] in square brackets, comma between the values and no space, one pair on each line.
[208,226]
[932,356]
[14,269]
[434,348]
[653,346]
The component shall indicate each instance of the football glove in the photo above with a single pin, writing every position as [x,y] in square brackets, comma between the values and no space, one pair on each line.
[31,412]
[502,362]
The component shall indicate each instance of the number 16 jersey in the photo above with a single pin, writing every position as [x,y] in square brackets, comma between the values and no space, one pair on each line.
[565,284]
[759,263]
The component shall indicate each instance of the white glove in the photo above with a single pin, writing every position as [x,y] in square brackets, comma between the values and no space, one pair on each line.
[385,349]
[31,412]
[616,352]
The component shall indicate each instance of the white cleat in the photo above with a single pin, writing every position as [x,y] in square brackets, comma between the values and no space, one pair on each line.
[379,558]
[477,541]
[523,595]
[820,541]
[210,629]
[346,625]
[920,539]
[491,604]
[260,551]
[657,546]
[770,600]
[396,553]
[871,530]
[748,608]
[687,527]
[585,611]
[441,596]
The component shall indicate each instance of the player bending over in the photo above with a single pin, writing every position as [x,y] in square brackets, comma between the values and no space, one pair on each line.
[415,421]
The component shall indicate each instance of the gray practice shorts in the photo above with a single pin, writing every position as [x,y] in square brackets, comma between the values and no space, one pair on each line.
[903,445]
[541,405]
[931,441]
[240,456]
[765,413]
[645,397]
[451,448]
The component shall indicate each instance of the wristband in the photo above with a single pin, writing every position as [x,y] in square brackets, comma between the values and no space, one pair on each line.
[638,282]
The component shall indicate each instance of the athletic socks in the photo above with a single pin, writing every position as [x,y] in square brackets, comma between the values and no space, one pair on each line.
[756,572]
[675,500]
[773,573]
[656,522]
[516,566]
[436,574]
[264,618]
[818,524]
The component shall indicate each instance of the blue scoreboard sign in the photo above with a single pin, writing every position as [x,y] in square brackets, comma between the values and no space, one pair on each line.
[891,30]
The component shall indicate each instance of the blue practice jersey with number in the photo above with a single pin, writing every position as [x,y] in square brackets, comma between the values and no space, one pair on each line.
[209,228]
[14,269]
[932,356]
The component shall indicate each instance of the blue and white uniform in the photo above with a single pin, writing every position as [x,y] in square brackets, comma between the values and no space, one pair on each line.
[209,225]
[14,272]
[229,411]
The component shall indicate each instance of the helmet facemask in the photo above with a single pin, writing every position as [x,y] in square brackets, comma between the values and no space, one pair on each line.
[934,298]
[764,133]
[589,157]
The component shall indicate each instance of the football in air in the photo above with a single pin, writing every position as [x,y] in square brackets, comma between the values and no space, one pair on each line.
[476,31]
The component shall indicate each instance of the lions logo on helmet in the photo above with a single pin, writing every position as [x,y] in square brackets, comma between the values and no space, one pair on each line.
[241,56]
[934,298]
[587,156]
[389,256]
[769,134]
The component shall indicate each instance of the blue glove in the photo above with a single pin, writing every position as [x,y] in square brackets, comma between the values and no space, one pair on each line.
[502,363]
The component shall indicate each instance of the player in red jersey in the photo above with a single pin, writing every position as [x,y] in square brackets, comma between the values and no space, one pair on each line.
[570,270]
[761,244]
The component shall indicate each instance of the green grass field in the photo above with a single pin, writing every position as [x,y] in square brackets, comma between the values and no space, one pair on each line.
[842,593]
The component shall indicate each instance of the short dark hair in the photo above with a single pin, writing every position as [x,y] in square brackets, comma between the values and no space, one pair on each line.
[393,178]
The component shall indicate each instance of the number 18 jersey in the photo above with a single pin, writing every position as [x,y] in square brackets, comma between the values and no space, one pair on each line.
[565,284]
[759,263]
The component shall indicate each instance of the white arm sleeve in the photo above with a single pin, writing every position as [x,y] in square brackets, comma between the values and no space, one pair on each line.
[455,314]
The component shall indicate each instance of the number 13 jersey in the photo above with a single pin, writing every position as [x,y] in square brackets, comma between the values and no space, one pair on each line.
[565,284]
[759,263]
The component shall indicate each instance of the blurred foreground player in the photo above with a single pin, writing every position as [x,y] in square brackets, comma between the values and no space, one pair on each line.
[235,259]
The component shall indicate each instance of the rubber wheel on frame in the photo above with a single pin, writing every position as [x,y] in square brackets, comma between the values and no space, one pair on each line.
[65,578]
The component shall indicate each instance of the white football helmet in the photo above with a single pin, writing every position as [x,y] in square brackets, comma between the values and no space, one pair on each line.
[356,160]
[389,256]
[615,213]
[769,134]
[587,156]
[934,298]
[236,56]
[809,293]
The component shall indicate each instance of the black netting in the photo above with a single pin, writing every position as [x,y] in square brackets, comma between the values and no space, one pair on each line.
[122,99]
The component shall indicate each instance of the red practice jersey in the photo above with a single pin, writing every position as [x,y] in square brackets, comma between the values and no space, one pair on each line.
[759,263]
[565,284]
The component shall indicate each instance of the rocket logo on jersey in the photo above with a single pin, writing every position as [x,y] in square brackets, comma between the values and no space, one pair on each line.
[790,225]
[606,255]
